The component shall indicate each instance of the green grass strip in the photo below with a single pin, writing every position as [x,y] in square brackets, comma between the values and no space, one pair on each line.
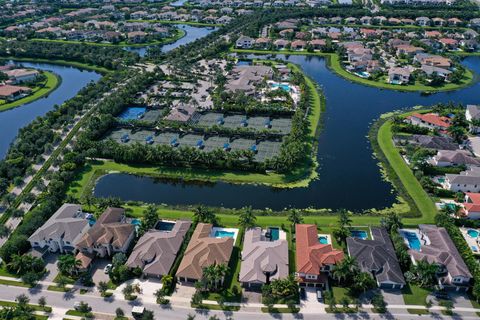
[52,82]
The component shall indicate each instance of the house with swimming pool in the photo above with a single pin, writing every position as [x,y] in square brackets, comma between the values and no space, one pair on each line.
[377,257]
[314,260]
[433,244]
[470,208]
[110,234]
[156,251]
[62,231]
[264,257]
[208,246]
[472,237]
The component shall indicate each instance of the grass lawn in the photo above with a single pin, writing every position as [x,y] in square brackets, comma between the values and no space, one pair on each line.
[58,289]
[33,306]
[76,313]
[340,293]
[14,283]
[51,83]
[335,65]
[420,197]
[4,272]
[280,310]
[414,295]
[418,311]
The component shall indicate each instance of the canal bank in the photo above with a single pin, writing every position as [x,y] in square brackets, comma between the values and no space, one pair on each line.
[349,175]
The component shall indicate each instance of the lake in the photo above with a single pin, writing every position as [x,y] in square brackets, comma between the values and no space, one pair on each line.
[349,176]
[12,120]
[192,33]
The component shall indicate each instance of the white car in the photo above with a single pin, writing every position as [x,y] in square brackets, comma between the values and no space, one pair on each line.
[107,268]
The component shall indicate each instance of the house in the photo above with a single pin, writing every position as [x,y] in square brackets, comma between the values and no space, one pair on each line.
[436,247]
[12,93]
[21,75]
[203,250]
[423,21]
[62,231]
[314,261]
[366,20]
[298,45]
[432,60]
[318,44]
[438,22]
[136,36]
[156,250]
[408,50]
[449,43]
[246,78]
[471,206]
[432,142]
[431,121]
[244,42]
[454,21]
[264,257]
[399,75]
[281,44]
[377,257]
[109,235]
[447,158]
[472,114]
[466,181]
[441,72]
[262,43]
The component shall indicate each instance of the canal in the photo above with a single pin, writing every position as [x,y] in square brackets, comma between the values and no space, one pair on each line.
[349,176]
[72,80]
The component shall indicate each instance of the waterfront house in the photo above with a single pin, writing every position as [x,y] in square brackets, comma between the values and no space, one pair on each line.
[448,158]
[432,60]
[21,75]
[423,21]
[12,93]
[466,181]
[472,114]
[399,75]
[436,247]
[431,121]
[377,257]
[264,257]
[244,42]
[62,231]
[314,261]
[440,72]
[156,250]
[203,250]
[298,45]
[136,36]
[281,44]
[109,235]
[430,142]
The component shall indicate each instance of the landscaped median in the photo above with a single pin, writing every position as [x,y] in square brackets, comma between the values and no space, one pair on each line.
[51,83]
[333,62]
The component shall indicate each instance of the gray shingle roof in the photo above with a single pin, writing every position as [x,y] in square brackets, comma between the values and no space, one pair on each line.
[377,256]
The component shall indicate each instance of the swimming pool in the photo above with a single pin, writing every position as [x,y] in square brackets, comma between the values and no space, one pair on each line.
[132,113]
[323,240]
[283,86]
[274,234]
[224,234]
[363,74]
[473,233]
[136,222]
[413,241]
[360,234]
[164,225]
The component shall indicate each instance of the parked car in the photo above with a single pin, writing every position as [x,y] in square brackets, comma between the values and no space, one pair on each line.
[319,295]
[108,268]
[138,311]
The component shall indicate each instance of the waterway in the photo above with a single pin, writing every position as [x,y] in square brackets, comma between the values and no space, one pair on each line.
[349,176]
[72,80]
[192,33]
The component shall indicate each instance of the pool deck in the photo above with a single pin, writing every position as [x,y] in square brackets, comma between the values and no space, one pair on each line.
[424,241]
[472,242]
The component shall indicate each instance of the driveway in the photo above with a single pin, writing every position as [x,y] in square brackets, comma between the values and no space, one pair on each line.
[393,297]
[184,291]
[311,304]
[51,266]
[97,270]
[250,296]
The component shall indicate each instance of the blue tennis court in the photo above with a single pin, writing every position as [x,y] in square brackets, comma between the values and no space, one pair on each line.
[132,113]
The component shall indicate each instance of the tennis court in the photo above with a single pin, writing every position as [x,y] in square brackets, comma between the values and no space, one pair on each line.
[140,113]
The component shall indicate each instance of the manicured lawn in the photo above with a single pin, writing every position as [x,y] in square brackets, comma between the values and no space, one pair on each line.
[280,310]
[4,272]
[335,65]
[414,295]
[51,84]
[58,289]
[420,197]
[215,307]
[76,313]
[14,283]
[33,306]
[418,311]
[340,293]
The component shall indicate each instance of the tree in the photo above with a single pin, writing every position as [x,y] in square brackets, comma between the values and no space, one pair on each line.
[42,302]
[191,316]
[84,307]
[246,219]
[426,273]
[295,217]
[119,259]
[119,312]
[128,292]
[67,264]
[346,270]
[203,214]
[150,218]
[363,282]
[102,287]
[379,303]
[22,300]
[392,222]
[148,315]
[61,281]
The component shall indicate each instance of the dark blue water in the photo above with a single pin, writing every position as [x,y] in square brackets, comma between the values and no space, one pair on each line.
[192,33]
[12,120]
[349,176]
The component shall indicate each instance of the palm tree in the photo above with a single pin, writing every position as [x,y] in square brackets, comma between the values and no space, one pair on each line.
[102,287]
[67,264]
[246,219]
[426,273]
[364,281]
[344,218]
[345,269]
[204,215]
[295,217]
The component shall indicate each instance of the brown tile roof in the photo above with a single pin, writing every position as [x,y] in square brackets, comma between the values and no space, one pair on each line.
[311,255]
[204,251]
[109,229]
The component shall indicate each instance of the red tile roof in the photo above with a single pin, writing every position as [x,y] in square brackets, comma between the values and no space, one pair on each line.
[433,119]
[311,255]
